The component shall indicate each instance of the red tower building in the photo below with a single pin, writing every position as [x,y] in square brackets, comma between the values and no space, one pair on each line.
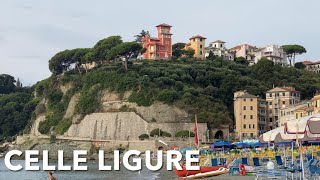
[160,47]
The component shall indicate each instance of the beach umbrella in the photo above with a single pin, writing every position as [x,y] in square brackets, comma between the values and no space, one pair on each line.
[241,145]
[222,143]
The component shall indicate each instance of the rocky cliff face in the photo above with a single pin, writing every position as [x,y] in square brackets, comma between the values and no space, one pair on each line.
[120,119]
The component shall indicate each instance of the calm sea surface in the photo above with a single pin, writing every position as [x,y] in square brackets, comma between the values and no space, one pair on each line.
[92,174]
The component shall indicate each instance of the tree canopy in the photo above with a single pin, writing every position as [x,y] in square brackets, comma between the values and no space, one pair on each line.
[292,51]
[6,84]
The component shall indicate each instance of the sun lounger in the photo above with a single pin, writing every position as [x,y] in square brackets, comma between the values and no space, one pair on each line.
[244,161]
[256,162]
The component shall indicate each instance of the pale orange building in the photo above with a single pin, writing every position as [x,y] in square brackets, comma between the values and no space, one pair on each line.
[250,114]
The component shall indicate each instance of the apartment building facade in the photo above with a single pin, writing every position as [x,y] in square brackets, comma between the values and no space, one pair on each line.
[279,98]
[274,53]
[250,115]
[198,44]
[246,51]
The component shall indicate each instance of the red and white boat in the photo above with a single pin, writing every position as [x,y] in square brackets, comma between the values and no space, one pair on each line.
[205,171]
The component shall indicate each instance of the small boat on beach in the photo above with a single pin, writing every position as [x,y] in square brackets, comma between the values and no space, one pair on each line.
[219,171]
[203,170]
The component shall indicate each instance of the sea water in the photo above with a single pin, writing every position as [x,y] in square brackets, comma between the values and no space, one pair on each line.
[92,174]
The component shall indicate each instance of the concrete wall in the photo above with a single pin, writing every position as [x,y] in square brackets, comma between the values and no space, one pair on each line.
[124,126]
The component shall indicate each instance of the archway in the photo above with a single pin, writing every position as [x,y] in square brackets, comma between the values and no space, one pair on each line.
[219,135]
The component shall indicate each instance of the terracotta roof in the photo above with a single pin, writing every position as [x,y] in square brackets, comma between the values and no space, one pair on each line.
[198,36]
[310,62]
[246,95]
[239,47]
[164,24]
[218,41]
[282,89]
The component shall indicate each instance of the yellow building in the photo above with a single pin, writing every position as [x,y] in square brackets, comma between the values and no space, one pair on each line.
[299,110]
[316,103]
[198,44]
[250,115]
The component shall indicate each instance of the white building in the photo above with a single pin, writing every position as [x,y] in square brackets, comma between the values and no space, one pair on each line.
[218,48]
[274,53]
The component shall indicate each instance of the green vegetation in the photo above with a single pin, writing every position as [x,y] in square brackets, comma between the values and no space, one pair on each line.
[184,134]
[16,106]
[57,106]
[159,132]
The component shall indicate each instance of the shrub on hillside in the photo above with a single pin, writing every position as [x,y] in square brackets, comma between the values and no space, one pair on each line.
[167,96]
[157,132]
[143,136]
[184,134]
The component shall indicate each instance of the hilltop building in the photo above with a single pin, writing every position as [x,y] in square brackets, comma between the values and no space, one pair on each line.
[280,98]
[246,51]
[312,66]
[158,47]
[218,48]
[250,115]
[274,53]
[299,110]
[198,44]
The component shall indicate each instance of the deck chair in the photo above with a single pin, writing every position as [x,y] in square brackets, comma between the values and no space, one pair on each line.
[214,162]
[223,161]
[244,161]
[309,157]
[256,161]
[279,160]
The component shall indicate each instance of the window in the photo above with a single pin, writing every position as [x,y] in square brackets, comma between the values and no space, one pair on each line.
[283,102]
[244,116]
[283,94]
[252,126]
[244,134]
[200,52]
[251,134]
[220,45]
[251,116]
[270,111]
[194,40]
[251,107]
[270,94]
[244,126]
[270,103]
[200,39]
[200,46]
[244,99]
[270,120]
[249,126]
[244,107]
[251,99]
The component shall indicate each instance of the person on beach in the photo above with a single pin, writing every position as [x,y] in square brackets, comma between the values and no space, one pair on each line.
[51,177]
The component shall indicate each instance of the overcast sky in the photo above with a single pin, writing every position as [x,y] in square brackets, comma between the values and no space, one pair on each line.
[32,31]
